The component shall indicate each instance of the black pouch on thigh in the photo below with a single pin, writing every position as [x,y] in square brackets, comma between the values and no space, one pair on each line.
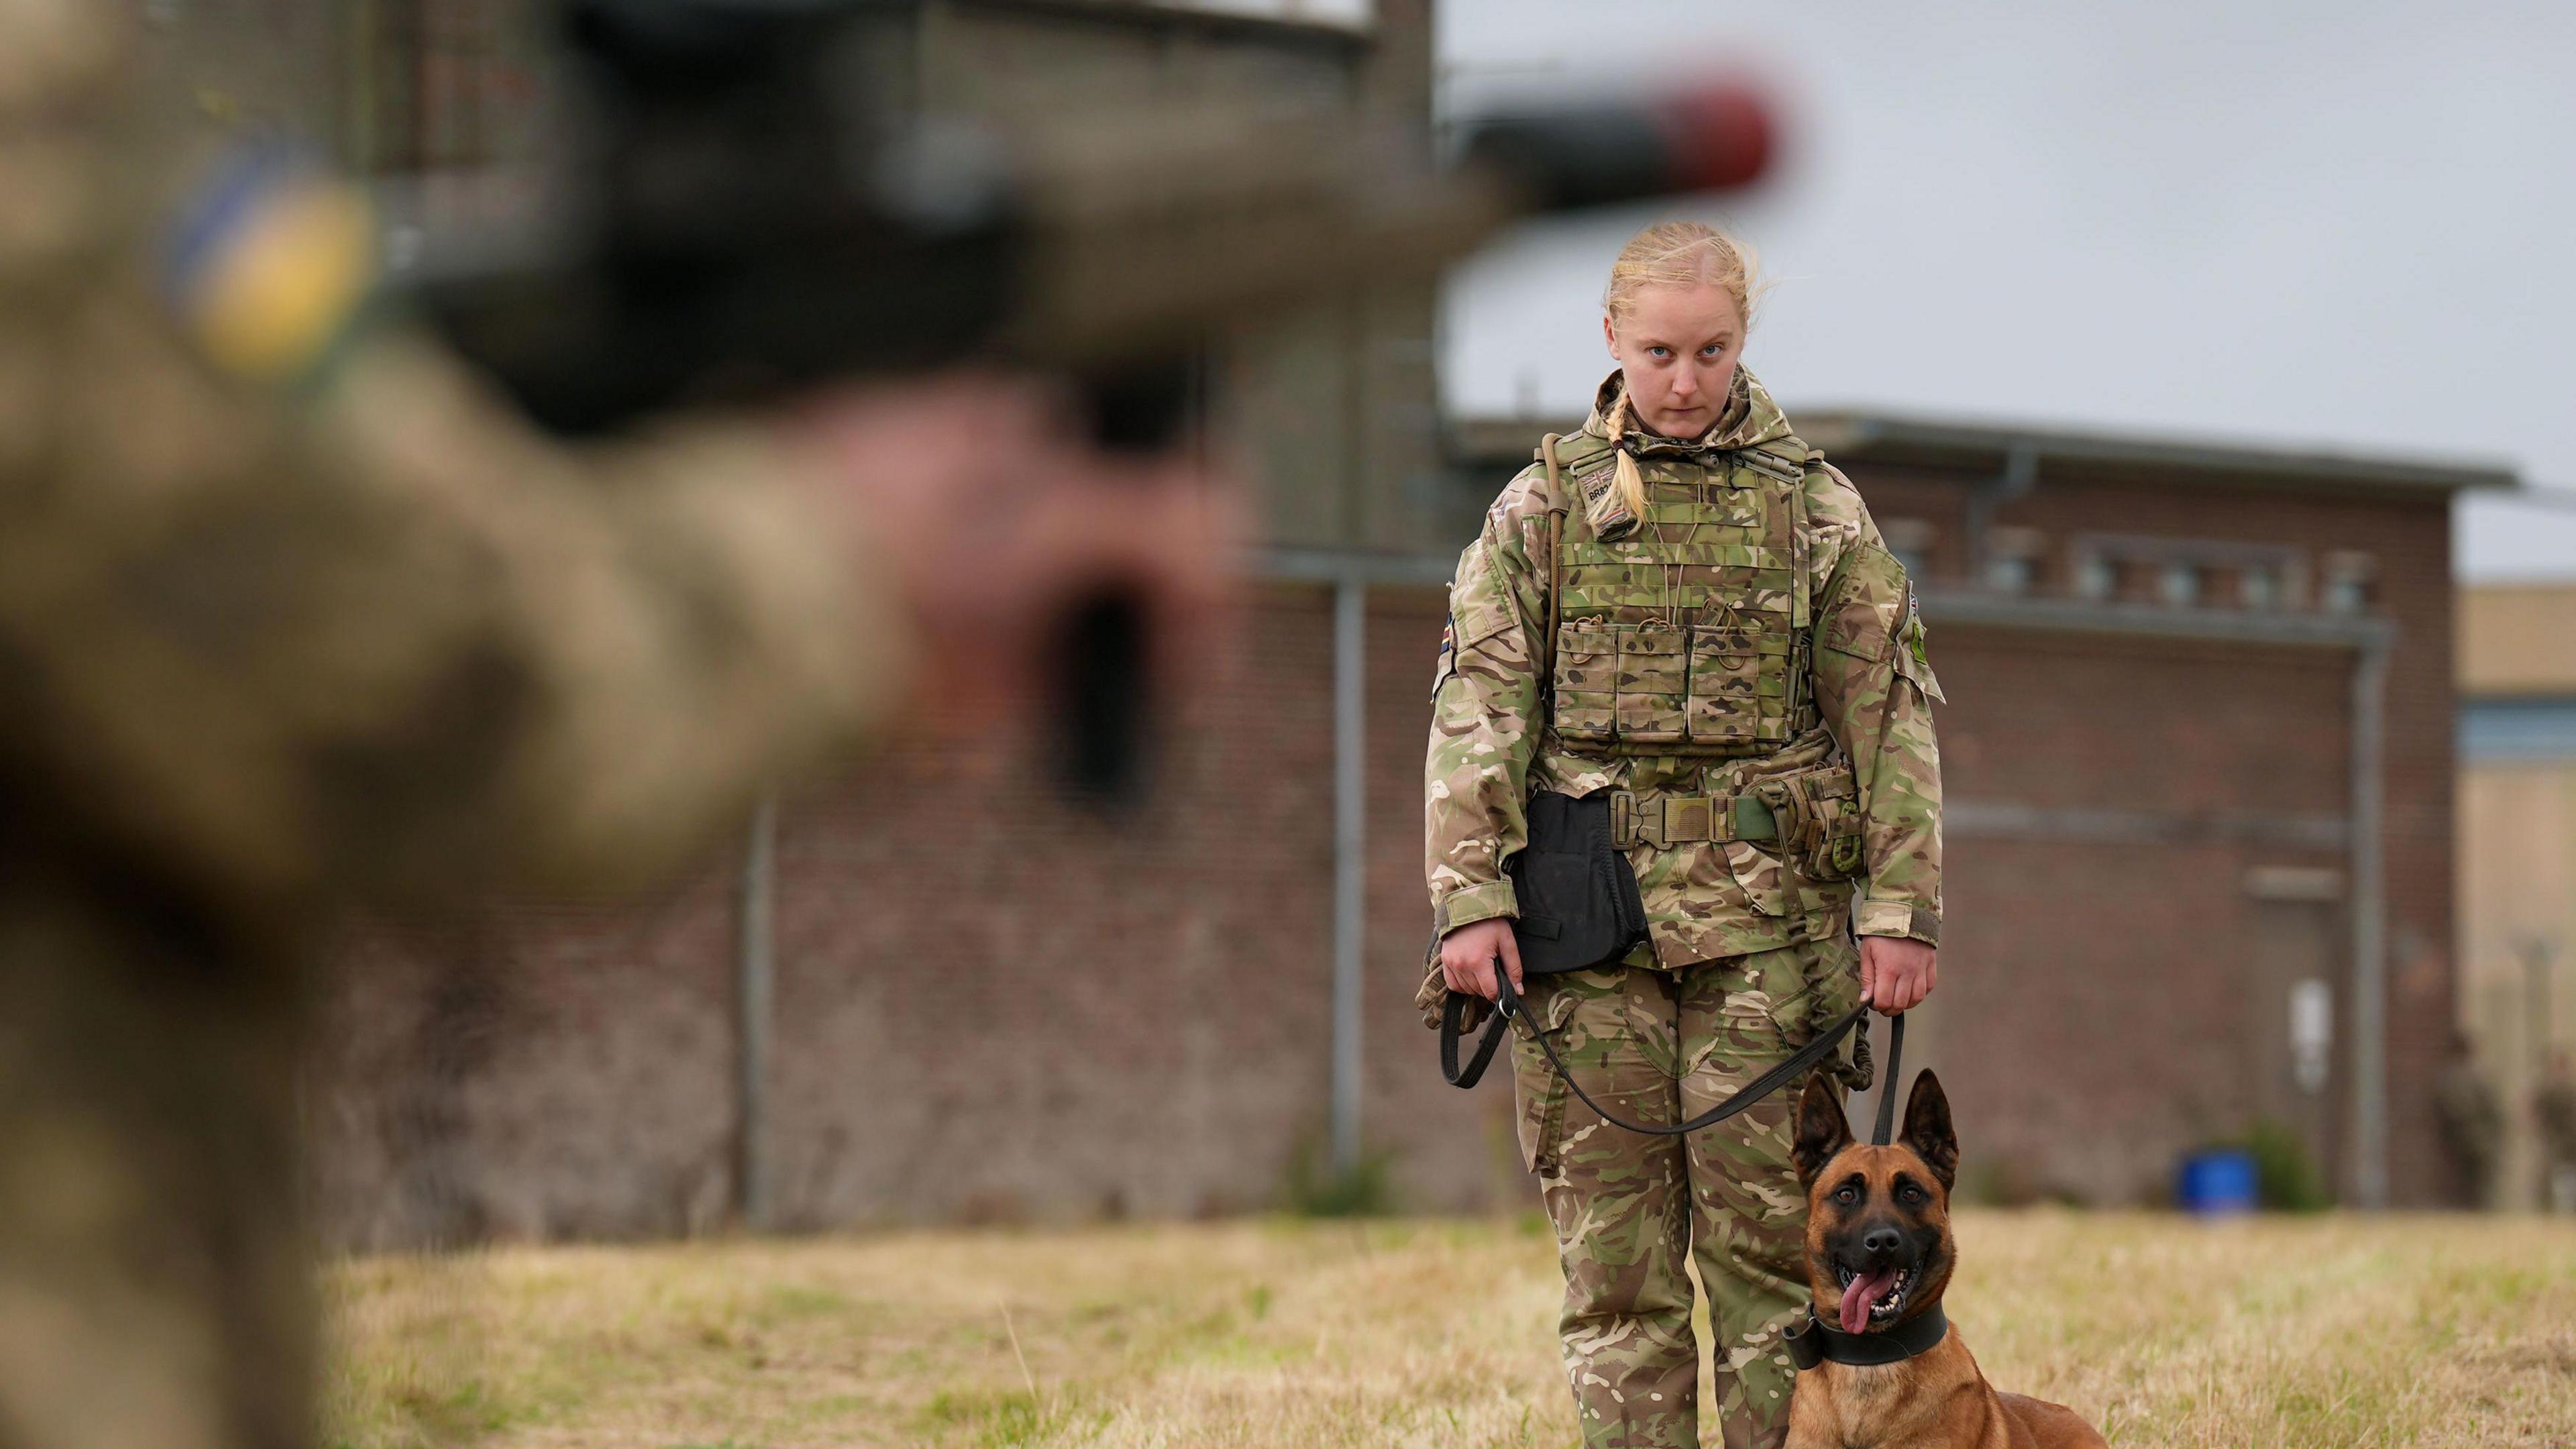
[1579,908]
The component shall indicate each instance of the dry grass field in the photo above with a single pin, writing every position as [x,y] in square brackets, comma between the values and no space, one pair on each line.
[2332,1331]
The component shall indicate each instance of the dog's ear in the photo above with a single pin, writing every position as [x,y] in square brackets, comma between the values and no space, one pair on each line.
[1928,1130]
[1823,1130]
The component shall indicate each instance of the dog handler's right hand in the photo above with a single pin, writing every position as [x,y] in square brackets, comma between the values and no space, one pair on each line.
[1467,956]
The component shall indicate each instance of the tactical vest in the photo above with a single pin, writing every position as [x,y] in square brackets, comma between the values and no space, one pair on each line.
[1687,634]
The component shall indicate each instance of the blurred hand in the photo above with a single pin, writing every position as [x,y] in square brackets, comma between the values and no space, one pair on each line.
[1896,972]
[993,512]
[1468,954]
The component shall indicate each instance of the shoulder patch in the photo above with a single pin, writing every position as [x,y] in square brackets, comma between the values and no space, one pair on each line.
[1590,486]
[269,264]
[1866,605]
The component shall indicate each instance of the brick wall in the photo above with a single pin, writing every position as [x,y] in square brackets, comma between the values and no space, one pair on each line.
[2092,1021]
[992,1005]
[2114,975]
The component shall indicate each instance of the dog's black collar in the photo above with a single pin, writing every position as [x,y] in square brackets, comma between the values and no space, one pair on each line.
[1814,1341]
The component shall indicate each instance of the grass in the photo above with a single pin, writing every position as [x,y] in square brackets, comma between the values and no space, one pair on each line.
[2309,1331]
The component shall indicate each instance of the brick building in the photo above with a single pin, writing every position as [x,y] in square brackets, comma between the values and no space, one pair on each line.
[2201,703]
[2199,763]
[2198,766]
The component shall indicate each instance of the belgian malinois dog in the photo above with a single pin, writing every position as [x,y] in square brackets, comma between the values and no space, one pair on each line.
[1879,1363]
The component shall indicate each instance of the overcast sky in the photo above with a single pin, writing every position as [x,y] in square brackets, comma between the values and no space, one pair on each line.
[2350,225]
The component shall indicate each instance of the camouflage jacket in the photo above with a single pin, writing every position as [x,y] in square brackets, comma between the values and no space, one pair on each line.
[1867,681]
[267,651]
[368,632]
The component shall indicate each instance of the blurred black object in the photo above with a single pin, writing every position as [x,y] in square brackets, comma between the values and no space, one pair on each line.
[733,218]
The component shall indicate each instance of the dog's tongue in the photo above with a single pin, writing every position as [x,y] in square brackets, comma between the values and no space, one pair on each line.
[1862,1292]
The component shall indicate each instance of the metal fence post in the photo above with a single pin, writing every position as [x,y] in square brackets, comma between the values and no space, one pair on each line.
[1350,847]
[754,978]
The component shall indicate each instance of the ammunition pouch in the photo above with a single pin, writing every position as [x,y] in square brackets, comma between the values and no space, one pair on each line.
[1652,688]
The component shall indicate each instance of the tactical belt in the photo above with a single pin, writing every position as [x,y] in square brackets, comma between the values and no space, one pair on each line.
[1668,820]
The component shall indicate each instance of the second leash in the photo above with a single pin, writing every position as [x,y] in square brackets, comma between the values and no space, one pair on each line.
[1508,1004]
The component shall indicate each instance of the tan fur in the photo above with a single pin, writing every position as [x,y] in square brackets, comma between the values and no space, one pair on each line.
[1938,1399]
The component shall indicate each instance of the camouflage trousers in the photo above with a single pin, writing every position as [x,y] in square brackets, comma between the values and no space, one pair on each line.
[1657,1046]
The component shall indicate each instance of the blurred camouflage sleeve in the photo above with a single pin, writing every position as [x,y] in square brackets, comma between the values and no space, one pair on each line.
[378,634]
[1484,710]
[1875,687]
[394,641]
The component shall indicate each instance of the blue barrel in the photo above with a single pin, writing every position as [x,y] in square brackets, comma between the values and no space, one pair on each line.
[2217,1180]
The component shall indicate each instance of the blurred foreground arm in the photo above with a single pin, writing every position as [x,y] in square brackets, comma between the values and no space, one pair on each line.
[403,645]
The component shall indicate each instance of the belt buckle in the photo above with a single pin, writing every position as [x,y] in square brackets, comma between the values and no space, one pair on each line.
[1623,818]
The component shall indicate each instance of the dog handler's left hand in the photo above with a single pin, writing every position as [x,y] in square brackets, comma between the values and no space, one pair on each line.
[1896,972]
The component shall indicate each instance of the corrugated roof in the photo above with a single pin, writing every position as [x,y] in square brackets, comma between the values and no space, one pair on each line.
[1989,447]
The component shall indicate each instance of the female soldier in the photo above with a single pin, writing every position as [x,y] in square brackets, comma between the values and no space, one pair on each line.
[1684,605]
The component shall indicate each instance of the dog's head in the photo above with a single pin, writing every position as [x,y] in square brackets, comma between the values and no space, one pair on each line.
[1878,1218]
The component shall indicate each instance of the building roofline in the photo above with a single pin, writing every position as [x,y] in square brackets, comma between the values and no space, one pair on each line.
[1992,447]
[1893,437]
[1327,34]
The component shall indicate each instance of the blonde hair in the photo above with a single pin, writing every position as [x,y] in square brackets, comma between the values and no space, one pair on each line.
[1673,254]
[1681,254]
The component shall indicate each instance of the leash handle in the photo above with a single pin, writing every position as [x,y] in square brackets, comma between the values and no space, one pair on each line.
[1507,1003]
[1887,1084]
[1453,1024]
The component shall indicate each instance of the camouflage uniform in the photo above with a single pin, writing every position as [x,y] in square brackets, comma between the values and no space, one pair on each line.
[2472,1123]
[260,663]
[1753,637]
[2554,1109]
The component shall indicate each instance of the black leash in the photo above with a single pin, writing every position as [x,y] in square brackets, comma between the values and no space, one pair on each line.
[1813,1341]
[1887,1084]
[1508,1005]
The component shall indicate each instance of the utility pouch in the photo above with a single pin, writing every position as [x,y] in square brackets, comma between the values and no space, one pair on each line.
[1652,689]
[1818,811]
[1580,908]
[1579,902]
[1587,672]
[1725,675]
